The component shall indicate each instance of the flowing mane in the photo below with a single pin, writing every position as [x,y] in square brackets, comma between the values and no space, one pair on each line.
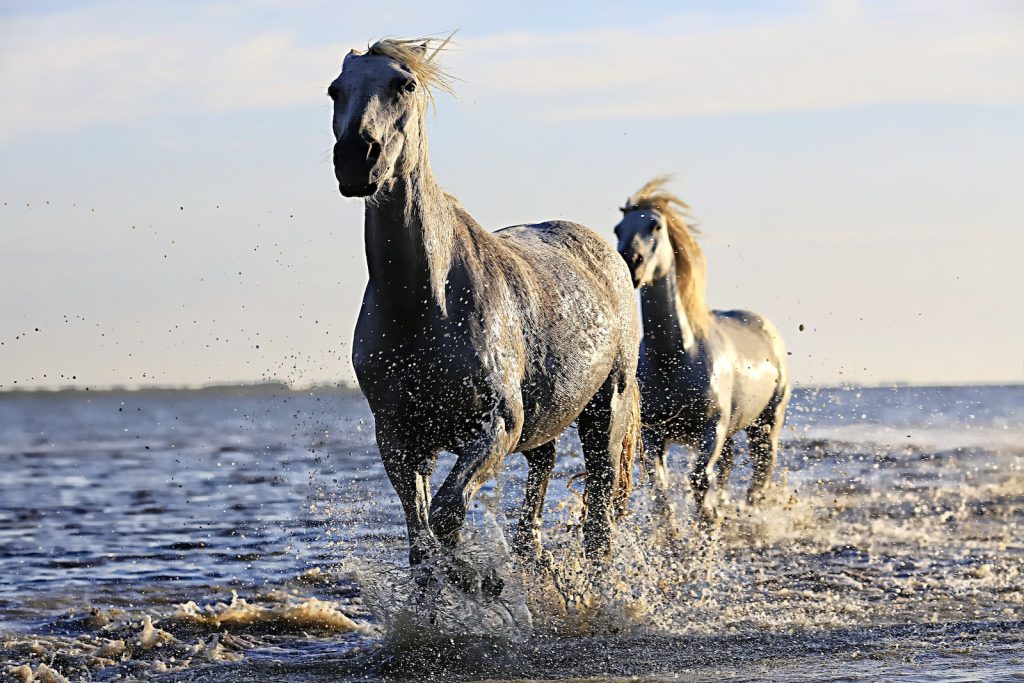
[420,55]
[690,264]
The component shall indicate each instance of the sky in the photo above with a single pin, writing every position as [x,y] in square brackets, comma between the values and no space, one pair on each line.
[169,214]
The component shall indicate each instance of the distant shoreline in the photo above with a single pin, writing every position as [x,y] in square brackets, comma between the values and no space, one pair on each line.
[241,388]
[274,387]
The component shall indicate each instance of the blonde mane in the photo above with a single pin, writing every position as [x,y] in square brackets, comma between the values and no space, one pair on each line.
[419,54]
[690,264]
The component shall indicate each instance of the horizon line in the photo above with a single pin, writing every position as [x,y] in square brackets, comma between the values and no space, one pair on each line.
[344,386]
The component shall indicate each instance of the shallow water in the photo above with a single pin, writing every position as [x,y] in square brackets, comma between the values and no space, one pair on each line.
[251,535]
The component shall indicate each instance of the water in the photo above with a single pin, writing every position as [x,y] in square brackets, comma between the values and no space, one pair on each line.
[251,535]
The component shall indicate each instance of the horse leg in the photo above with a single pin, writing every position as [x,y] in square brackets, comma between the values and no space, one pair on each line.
[541,460]
[656,457]
[664,517]
[602,427]
[725,465]
[763,436]
[410,477]
[709,446]
[655,454]
[477,462]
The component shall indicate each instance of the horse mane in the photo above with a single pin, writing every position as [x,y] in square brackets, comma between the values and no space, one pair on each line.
[690,264]
[420,55]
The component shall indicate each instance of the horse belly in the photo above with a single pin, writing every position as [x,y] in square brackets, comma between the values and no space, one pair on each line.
[557,390]
[755,383]
[755,386]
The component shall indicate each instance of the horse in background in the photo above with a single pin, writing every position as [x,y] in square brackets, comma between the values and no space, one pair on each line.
[704,375]
[476,343]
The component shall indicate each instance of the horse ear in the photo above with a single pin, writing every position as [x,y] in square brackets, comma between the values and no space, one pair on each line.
[420,49]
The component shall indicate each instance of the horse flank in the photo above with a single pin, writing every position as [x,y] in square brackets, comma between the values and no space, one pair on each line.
[691,277]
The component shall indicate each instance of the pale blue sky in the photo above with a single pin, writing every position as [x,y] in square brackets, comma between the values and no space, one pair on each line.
[856,168]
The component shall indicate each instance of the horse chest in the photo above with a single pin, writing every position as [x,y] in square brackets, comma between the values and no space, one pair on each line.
[429,378]
[677,391]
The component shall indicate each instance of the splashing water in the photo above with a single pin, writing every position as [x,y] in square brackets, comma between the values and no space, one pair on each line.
[254,537]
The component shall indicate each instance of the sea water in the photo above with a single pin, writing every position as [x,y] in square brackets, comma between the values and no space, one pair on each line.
[251,535]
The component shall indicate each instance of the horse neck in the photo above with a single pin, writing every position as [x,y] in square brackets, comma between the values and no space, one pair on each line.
[410,238]
[666,328]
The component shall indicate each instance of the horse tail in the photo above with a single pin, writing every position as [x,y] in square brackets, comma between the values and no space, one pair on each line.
[631,443]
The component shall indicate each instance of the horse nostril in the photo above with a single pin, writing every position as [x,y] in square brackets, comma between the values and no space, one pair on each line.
[373,153]
[638,258]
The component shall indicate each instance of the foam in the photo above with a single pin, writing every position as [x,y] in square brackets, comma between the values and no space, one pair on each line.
[155,643]
[294,614]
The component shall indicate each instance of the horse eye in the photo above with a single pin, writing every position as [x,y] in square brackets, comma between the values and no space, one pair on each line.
[655,224]
[409,86]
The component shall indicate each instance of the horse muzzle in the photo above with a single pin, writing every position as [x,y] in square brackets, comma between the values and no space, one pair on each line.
[637,269]
[356,165]
[367,190]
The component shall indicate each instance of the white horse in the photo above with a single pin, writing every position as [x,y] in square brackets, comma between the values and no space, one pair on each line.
[476,343]
[704,375]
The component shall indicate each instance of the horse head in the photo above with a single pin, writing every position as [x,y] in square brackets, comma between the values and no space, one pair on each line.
[644,243]
[655,238]
[380,99]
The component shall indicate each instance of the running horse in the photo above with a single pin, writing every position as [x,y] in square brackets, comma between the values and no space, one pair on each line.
[704,375]
[476,343]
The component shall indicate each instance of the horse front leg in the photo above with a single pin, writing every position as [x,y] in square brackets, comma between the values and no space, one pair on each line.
[655,460]
[656,464]
[477,462]
[664,510]
[603,425]
[409,473]
[709,447]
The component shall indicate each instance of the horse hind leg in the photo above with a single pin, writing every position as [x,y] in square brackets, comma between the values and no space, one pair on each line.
[541,461]
[606,426]
[763,436]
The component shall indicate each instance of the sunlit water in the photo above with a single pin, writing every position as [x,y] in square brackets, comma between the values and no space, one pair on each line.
[250,536]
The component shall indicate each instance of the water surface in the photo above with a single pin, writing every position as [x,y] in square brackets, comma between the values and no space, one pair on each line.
[251,535]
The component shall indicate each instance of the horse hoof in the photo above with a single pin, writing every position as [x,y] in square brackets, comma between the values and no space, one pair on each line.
[491,584]
[423,577]
[470,580]
[546,561]
[708,519]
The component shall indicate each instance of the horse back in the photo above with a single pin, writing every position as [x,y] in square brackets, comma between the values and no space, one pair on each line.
[577,315]
[555,249]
